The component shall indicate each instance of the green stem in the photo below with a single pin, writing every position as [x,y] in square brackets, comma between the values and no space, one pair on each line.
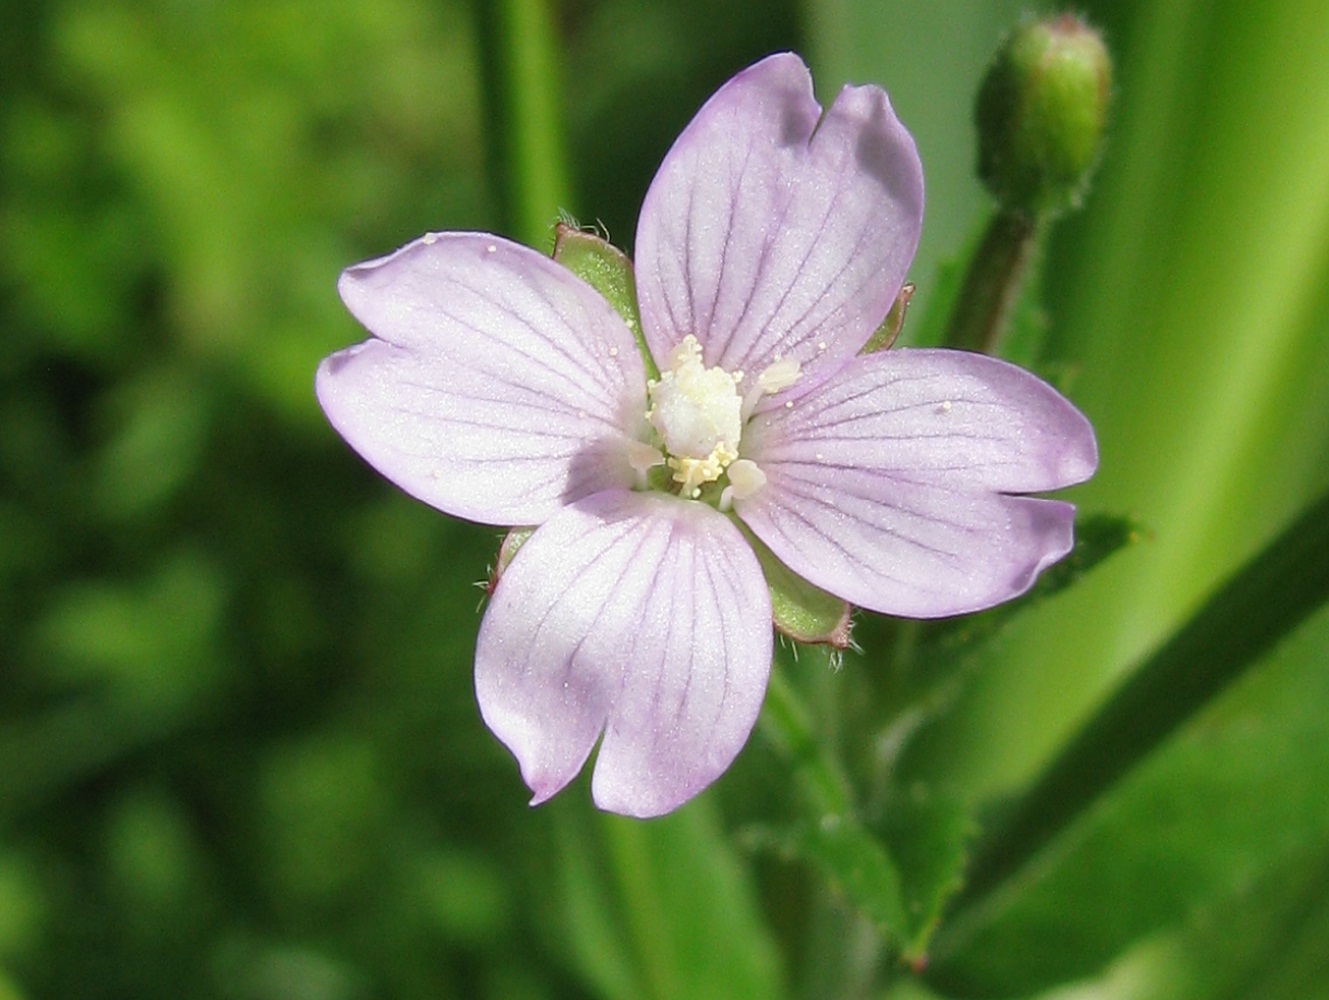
[521,64]
[786,722]
[1260,604]
[992,283]
[629,845]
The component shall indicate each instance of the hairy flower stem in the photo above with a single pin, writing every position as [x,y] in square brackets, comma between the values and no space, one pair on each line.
[992,283]
[786,722]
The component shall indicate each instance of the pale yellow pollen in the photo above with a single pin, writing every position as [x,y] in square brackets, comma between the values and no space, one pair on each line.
[779,374]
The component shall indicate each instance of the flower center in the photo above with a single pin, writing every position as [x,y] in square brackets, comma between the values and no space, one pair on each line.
[699,415]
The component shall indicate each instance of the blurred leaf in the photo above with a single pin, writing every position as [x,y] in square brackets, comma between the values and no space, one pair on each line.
[1235,798]
[1281,951]
[854,862]
[928,834]
[466,894]
[1268,598]
[160,421]
[24,906]
[663,908]
[151,640]
[1202,361]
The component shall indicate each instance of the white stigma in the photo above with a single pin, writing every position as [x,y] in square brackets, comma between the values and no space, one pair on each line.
[699,416]
[698,412]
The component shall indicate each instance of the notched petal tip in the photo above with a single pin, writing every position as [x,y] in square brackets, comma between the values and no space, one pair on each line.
[897,484]
[638,615]
[497,384]
[773,230]
[325,376]
[885,151]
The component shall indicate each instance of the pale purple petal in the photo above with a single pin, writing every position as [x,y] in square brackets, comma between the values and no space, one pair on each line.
[945,417]
[641,615]
[498,387]
[888,485]
[768,232]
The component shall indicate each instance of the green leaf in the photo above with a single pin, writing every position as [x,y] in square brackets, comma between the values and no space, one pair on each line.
[1202,363]
[1279,953]
[927,832]
[8,989]
[1269,598]
[1235,798]
[854,861]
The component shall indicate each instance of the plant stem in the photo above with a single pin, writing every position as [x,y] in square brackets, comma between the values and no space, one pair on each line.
[521,71]
[785,721]
[992,283]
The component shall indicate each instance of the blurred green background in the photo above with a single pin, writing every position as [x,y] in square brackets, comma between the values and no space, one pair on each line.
[239,755]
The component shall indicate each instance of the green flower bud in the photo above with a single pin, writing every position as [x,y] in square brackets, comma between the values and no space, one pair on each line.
[1041,113]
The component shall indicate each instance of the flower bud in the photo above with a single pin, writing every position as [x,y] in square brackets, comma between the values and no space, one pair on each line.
[1041,112]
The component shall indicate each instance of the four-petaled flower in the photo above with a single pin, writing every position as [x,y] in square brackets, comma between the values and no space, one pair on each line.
[501,388]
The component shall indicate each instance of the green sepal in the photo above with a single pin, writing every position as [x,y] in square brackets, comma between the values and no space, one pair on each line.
[885,335]
[512,541]
[609,271]
[799,610]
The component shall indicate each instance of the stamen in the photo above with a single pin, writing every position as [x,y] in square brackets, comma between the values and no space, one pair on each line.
[745,478]
[643,458]
[699,415]
[779,374]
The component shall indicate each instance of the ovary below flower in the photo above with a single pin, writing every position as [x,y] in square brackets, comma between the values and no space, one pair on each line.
[501,388]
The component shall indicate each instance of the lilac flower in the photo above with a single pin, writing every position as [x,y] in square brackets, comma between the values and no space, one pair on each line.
[500,388]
